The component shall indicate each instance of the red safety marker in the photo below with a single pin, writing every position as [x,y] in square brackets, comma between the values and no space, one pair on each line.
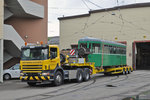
[72,52]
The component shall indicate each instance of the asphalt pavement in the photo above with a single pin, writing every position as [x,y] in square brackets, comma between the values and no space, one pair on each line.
[117,87]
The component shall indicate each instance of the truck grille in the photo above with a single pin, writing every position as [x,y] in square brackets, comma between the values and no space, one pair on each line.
[31,67]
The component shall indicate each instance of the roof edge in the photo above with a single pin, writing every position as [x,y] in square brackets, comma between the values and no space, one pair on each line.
[136,5]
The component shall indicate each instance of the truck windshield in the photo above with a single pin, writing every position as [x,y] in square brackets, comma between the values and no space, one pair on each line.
[34,54]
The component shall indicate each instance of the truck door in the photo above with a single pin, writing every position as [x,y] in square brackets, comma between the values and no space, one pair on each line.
[54,58]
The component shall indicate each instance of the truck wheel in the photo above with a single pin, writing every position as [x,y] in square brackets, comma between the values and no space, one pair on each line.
[58,78]
[86,74]
[79,75]
[31,83]
[7,76]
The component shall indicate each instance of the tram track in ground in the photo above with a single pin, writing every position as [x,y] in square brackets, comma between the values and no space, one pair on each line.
[81,86]
[126,92]
[120,94]
[52,95]
[106,82]
[93,79]
[117,80]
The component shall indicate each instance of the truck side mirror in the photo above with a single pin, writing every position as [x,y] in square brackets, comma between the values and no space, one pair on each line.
[51,57]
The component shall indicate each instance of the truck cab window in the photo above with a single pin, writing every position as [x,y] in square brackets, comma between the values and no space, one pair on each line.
[53,53]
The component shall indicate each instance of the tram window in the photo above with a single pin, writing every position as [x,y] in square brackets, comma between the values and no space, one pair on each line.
[106,49]
[121,50]
[124,51]
[115,49]
[96,48]
[111,50]
[84,45]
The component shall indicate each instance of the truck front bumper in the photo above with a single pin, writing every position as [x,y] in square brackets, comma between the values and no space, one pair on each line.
[35,78]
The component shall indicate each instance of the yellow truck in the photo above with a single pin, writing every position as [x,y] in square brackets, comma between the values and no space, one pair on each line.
[44,63]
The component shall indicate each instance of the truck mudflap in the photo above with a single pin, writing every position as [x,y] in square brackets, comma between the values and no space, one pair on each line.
[35,78]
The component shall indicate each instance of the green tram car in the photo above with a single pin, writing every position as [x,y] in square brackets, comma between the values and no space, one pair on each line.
[104,53]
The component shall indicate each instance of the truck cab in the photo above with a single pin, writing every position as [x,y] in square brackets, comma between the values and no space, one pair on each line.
[41,63]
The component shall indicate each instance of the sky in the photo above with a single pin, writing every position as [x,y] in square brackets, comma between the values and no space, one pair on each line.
[60,8]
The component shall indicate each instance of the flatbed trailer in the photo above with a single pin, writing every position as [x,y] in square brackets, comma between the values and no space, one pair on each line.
[107,71]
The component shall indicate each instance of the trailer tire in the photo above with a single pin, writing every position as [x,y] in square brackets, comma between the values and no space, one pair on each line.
[58,78]
[86,74]
[79,75]
[123,72]
[129,72]
[31,83]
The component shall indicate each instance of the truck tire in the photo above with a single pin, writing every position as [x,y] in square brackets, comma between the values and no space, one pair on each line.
[79,75]
[58,78]
[86,74]
[31,83]
[6,76]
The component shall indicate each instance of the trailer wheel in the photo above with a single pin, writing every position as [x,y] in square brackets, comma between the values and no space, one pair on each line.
[31,83]
[58,78]
[123,72]
[129,71]
[79,75]
[86,74]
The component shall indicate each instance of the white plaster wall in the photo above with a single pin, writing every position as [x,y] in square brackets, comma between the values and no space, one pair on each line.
[132,24]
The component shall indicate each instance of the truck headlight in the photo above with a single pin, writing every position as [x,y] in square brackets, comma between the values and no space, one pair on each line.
[45,74]
[22,74]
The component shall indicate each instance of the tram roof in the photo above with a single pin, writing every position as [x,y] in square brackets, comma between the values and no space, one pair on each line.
[99,40]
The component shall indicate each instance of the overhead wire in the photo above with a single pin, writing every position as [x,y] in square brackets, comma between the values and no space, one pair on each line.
[129,22]
[120,17]
[86,5]
[86,25]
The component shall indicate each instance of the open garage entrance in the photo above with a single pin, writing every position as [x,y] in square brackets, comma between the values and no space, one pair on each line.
[141,55]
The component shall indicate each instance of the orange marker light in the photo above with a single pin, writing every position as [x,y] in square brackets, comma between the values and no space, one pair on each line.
[41,42]
[25,43]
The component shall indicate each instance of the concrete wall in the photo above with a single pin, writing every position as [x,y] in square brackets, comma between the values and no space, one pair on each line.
[128,25]
[1,39]
[1,19]
[34,29]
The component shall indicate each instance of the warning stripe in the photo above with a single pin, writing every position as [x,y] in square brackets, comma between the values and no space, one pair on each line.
[20,77]
[31,78]
[43,78]
[72,52]
[26,78]
[36,78]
